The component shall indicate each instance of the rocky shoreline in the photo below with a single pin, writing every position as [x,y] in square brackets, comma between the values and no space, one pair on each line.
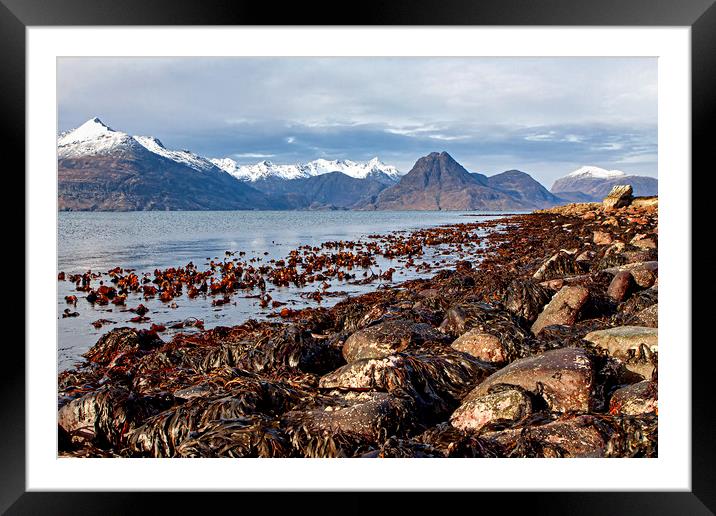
[542,344]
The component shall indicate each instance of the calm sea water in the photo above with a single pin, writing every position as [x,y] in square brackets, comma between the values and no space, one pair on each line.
[148,240]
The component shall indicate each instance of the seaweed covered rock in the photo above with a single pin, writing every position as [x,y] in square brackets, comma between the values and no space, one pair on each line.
[563,377]
[288,346]
[161,435]
[121,341]
[647,317]
[253,436]
[453,442]
[482,318]
[578,436]
[636,346]
[635,399]
[638,302]
[434,381]
[564,308]
[503,404]
[558,265]
[525,299]
[352,421]
[388,337]
[106,415]
[643,272]
[396,448]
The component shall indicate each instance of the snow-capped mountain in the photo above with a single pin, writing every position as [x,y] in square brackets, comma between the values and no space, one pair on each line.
[101,169]
[596,172]
[265,169]
[594,183]
[95,138]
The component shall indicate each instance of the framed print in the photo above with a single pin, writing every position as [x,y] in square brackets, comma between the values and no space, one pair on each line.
[427,238]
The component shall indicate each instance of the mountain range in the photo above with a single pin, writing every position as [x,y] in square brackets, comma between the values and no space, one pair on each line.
[102,169]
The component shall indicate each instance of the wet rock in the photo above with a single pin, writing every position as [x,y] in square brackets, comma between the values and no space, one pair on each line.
[386,338]
[643,242]
[106,415]
[584,258]
[487,319]
[526,299]
[635,399]
[483,346]
[652,266]
[453,442]
[121,341]
[505,405]
[648,317]
[618,197]
[639,301]
[623,340]
[563,377]
[557,266]
[644,278]
[564,308]
[339,429]
[636,255]
[635,346]
[621,286]
[435,381]
[580,436]
[601,238]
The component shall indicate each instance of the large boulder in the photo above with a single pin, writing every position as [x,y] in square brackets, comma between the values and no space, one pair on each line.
[618,197]
[564,308]
[506,404]
[386,338]
[636,346]
[563,377]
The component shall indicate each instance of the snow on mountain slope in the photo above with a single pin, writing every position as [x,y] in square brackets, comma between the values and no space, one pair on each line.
[93,138]
[267,169]
[96,138]
[596,172]
[185,157]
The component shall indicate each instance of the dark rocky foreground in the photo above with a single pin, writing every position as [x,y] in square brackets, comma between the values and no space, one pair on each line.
[542,345]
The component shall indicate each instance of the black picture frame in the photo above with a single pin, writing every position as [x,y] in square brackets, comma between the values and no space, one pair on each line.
[700,15]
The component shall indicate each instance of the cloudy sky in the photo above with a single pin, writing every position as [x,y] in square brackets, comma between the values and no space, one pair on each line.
[545,116]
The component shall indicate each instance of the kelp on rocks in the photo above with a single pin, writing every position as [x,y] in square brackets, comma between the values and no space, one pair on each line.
[382,374]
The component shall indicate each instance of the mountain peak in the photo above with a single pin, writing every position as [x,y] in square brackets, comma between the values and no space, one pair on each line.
[596,172]
[91,129]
